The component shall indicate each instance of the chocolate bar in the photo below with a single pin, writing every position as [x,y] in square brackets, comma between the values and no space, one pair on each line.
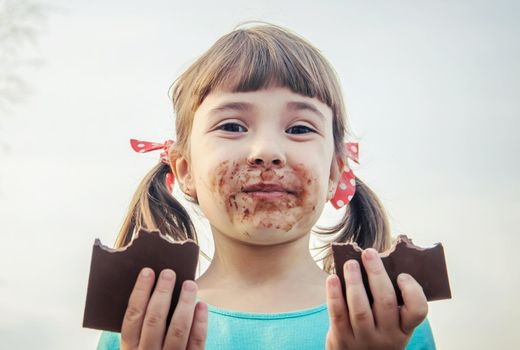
[426,265]
[113,273]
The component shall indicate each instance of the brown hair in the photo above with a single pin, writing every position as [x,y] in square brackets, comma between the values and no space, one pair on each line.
[248,59]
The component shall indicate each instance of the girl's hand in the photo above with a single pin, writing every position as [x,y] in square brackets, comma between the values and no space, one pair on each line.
[144,323]
[385,325]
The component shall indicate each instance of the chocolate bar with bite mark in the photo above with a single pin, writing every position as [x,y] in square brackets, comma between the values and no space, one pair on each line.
[113,273]
[426,265]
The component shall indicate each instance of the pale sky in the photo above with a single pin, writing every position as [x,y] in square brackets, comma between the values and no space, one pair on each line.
[432,92]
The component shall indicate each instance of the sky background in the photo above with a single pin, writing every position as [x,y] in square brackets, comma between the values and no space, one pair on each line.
[432,92]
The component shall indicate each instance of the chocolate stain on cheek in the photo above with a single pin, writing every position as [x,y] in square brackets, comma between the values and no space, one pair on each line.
[284,213]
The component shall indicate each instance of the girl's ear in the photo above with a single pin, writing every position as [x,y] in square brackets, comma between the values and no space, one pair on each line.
[182,173]
[336,169]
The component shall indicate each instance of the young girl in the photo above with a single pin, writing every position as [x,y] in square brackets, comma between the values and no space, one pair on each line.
[260,148]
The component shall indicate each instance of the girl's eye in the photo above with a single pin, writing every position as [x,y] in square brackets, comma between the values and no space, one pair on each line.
[301,129]
[232,127]
[235,127]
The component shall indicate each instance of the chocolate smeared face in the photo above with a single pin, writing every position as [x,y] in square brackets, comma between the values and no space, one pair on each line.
[284,197]
[262,163]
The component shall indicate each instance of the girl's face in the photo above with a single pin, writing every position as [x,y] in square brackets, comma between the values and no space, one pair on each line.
[265,137]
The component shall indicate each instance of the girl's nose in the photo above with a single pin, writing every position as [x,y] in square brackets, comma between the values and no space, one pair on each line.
[276,160]
[266,150]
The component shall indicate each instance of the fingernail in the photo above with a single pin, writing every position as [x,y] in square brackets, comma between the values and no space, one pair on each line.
[146,273]
[201,306]
[403,277]
[352,265]
[333,282]
[333,286]
[189,286]
[353,274]
[371,254]
[167,275]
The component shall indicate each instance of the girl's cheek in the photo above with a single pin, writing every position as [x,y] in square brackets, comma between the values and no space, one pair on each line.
[228,179]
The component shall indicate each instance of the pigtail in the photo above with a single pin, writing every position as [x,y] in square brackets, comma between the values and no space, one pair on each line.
[154,207]
[365,222]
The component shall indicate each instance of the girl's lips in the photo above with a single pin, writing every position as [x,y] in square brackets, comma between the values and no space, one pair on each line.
[268,195]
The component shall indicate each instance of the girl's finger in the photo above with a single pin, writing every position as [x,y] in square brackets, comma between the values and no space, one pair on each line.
[134,315]
[361,317]
[154,323]
[199,328]
[337,309]
[385,308]
[180,324]
[415,307]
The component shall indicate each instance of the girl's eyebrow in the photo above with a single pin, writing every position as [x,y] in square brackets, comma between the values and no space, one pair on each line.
[232,106]
[300,105]
[246,106]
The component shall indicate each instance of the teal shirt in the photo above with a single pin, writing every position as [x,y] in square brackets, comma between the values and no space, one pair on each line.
[301,329]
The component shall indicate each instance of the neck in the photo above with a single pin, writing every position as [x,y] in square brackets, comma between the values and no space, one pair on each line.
[241,265]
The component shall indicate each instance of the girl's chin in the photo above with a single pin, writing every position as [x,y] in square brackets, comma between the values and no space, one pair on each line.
[266,226]
[265,236]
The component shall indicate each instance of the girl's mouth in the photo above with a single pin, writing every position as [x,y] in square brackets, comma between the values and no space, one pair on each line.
[268,195]
[267,191]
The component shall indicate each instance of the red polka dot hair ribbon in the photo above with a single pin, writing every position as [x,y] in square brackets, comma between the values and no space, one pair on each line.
[145,146]
[347,183]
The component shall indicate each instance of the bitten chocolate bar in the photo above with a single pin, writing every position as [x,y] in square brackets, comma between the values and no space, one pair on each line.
[113,273]
[426,265]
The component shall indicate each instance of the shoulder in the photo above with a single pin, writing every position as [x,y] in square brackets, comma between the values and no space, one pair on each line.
[422,337]
[109,341]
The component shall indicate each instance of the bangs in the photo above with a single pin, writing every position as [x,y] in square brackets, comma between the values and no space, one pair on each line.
[249,61]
